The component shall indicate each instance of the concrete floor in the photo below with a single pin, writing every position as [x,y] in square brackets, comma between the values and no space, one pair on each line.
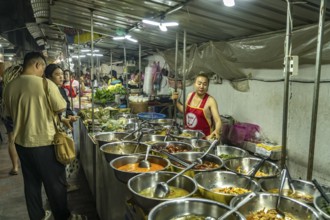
[12,200]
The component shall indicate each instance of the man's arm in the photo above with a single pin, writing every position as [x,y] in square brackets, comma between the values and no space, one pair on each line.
[216,117]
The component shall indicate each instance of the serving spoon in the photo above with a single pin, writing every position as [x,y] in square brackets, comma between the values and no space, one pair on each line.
[145,163]
[280,214]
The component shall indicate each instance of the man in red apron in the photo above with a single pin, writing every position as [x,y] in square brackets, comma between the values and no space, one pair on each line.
[201,109]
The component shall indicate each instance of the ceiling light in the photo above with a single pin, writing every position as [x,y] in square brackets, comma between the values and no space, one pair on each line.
[95,54]
[162,25]
[229,3]
[127,37]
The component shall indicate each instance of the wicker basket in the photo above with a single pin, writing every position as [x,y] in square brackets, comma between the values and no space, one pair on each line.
[137,107]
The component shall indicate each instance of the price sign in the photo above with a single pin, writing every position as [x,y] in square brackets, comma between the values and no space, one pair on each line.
[263,152]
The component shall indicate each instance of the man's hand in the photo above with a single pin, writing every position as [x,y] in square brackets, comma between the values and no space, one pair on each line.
[73,118]
[66,122]
[175,95]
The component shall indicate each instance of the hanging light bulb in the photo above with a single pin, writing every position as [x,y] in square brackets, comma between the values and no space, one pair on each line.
[229,3]
[162,27]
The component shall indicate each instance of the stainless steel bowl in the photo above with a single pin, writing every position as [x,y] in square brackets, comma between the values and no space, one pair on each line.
[191,206]
[125,115]
[196,134]
[145,180]
[198,144]
[191,157]
[180,146]
[321,205]
[118,149]
[303,188]
[108,137]
[124,176]
[221,179]
[245,164]
[267,201]
[226,152]
[153,138]
[161,122]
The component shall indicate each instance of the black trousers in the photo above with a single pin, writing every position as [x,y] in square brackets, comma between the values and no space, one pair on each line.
[39,166]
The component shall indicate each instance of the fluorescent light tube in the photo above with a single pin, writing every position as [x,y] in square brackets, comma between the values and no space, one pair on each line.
[150,22]
[229,3]
[162,27]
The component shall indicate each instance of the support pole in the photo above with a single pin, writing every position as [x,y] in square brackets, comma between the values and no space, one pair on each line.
[92,67]
[140,71]
[176,74]
[287,55]
[79,69]
[184,72]
[316,91]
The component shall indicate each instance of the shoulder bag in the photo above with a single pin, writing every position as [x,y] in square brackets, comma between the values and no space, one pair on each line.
[64,145]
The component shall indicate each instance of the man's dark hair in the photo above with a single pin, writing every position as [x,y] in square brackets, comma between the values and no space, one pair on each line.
[32,57]
[203,75]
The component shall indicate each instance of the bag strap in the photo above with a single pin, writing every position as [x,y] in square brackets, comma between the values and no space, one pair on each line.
[49,104]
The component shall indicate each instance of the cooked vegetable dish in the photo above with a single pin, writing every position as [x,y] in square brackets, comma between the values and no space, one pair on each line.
[175,192]
[206,165]
[171,148]
[258,174]
[269,215]
[230,190]
[134,167]
[227,156]
[189,217]
[296,195]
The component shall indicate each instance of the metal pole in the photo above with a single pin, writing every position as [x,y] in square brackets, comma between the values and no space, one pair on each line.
[176,74]
[110,64]
[286,83]
[92,67]
[316,91]
[79,69]
[140,71]
[184,75]
[126,78]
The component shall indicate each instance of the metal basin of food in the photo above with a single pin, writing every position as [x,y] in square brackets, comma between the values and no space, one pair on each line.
[161,122]
[108,137]
[146,180]
[198,144]
[193,207]
[304,189]
[189,134]
[124,176]
[118,149]
[209,181]
[322,206]
[298,210]
[226,152]
[245,164]
[210,162]
[153,138]
[172,146]
[125,115]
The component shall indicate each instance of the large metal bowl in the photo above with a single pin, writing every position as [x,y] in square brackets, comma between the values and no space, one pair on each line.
[226,152]
[221,179]
[153,138]
[118,149]
[161,122]
[180,146]
[245,164]
[267,201]
[145,180]
[124,176]
[125,115]
[321,205]
[198,144]
[108,137]
[177,209]
[302,188]
[191,157]
[191,134]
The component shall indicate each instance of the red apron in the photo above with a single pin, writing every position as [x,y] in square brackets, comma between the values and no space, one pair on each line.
[71,92]
[195,117]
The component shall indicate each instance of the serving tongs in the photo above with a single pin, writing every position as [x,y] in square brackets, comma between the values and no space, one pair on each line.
[288,175]
[175,158]
[255,168]
[320,189]
[136,130]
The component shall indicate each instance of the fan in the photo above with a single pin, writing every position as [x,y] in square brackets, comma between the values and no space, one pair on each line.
[162,25]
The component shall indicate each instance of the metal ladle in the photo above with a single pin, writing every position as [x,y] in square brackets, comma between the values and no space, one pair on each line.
[239,205]
[280,214]
[320,189]
[145,163]
[162,189]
